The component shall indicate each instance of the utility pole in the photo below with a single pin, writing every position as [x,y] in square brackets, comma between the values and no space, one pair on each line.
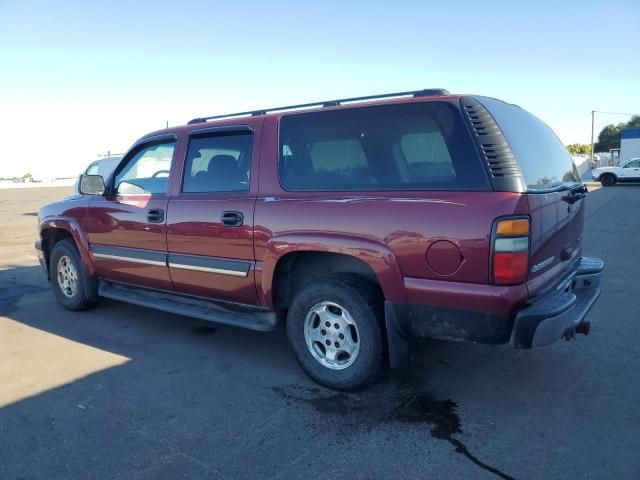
[593,113]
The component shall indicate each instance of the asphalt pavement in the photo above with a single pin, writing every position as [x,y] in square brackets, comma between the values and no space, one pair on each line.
[124,392]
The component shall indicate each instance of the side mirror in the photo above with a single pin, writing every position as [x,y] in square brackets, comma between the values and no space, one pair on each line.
[91,185]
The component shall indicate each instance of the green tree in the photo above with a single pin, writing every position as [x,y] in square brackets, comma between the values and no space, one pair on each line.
[634,122]
[27,175]
[609,137]
[576,148]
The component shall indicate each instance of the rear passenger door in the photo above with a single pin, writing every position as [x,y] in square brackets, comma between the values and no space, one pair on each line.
[210,220]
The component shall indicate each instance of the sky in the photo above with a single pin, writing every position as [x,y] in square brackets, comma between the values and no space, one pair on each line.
[78,79]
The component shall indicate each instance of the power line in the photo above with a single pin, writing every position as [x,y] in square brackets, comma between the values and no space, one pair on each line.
[615,113]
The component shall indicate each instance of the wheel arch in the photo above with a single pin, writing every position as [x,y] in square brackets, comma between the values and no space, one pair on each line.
[290,259]
[54,230]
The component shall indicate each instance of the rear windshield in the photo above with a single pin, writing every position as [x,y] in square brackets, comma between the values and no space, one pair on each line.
[411,146]
[543,159]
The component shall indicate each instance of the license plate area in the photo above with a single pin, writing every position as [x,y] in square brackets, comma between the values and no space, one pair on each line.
[567,285]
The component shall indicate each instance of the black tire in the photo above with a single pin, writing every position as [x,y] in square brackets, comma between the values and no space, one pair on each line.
[80,298]
[363,304]
[607,180]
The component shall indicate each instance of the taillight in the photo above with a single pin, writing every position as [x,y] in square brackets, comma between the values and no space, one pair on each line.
[510,262]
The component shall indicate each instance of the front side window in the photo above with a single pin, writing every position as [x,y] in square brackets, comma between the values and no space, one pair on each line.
[411,146]
[634,164]
[218,163]
[147,171]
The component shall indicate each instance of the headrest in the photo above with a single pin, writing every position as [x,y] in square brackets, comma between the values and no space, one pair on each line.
[222,162]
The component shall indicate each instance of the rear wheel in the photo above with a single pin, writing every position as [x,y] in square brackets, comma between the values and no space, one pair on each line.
[334,327]
[69,279]
[607,180]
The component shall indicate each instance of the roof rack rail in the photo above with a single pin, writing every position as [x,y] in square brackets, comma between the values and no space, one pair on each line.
[427,92]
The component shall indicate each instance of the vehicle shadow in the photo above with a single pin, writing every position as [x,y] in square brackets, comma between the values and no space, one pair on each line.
[182,389]
[122,391]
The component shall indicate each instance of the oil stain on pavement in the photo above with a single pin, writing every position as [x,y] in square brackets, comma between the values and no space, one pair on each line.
[443,418]
[418,408]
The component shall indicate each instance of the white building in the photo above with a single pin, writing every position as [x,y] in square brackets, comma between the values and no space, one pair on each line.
[629,144]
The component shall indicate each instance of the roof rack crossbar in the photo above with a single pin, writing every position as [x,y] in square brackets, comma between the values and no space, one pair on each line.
[427,92]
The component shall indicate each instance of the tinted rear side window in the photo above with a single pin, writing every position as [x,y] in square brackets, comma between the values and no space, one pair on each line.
[543,159]
[412,146]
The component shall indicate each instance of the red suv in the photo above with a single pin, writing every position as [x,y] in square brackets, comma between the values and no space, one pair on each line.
[360,222]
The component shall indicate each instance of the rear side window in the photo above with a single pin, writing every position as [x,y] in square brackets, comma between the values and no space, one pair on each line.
[427,156]
[543,159]
[218,163]
[338,157]
[412,146]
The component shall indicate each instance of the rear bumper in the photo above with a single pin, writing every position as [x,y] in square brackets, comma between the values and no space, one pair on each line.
[558,314]
[542,321]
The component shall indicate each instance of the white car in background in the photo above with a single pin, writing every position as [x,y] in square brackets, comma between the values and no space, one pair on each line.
[627,172]
[103,167]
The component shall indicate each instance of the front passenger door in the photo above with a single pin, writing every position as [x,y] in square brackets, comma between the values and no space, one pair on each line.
[126,227]
[631,170]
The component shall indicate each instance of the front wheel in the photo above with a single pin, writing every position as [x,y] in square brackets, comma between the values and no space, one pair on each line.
[607,180]
[334,327]
[69,279]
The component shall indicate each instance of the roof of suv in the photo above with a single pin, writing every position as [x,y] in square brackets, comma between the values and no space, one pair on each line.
[232,118]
